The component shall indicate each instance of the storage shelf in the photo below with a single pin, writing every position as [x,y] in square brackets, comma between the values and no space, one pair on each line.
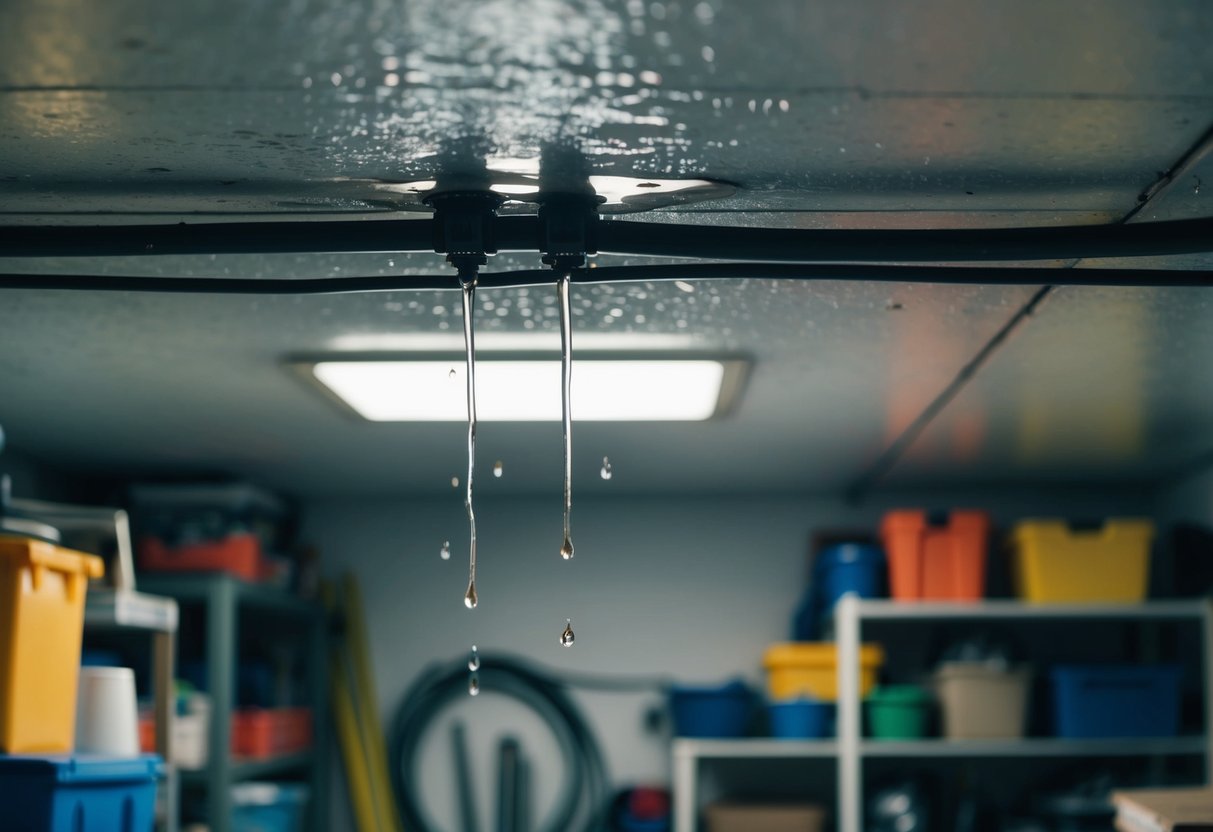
[1009,609]
[754,749]
[764,748]
[195,588]
[242,769]
[1037,747]
[125,609]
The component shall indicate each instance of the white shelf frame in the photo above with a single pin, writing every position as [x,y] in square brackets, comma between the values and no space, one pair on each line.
[851,749]
[849,614]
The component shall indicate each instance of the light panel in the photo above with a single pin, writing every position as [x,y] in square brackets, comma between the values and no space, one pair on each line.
[526,391]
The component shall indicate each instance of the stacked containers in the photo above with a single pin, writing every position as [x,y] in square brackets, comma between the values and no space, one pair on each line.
[1056,564]
[42,589]
[983,700]
[936,562]
[802,685]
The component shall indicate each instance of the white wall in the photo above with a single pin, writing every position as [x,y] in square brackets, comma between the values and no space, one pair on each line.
[694,588]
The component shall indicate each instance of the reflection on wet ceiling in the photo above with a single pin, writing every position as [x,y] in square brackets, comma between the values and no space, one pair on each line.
[872,114]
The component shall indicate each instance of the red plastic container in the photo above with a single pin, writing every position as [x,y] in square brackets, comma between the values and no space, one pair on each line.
[237,554]
[936,562]
[270,732]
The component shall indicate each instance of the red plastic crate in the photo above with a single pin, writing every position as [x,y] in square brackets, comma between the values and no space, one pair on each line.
[271,732]
[940,563]
[237,554]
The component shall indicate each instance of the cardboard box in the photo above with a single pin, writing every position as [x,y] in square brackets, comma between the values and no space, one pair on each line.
[765,817]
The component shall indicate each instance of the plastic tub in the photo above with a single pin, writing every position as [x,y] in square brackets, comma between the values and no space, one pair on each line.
[982,702]
[236,554]
[711,711]
[62,793]
[42,589]
[269,732]
[1054,563]
[801,719]
[809,670]
[936,562]
[899,712]
[1116,701]
[269,807]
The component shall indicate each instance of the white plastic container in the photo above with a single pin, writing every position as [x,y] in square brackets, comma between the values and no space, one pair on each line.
[983,701]
[107,713]
[191,733]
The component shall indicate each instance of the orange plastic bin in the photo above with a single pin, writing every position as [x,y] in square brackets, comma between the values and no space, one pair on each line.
[42,589]
[936,562]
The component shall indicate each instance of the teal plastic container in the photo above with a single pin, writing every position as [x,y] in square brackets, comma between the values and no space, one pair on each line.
[899,712]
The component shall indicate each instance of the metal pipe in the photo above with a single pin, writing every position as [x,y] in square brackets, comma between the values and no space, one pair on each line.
[523,233]
[986,275]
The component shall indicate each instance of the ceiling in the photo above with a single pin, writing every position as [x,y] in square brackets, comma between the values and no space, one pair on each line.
[863,115]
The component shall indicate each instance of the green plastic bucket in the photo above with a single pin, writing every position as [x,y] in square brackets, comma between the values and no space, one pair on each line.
[899,712]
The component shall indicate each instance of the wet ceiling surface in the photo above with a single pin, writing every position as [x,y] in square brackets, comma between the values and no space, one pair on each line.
[861,115]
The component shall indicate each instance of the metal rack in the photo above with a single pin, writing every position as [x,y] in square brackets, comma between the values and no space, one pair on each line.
[849,750]
[223,598]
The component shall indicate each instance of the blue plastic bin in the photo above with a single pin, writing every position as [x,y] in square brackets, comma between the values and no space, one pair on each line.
[801,719]
[1106,701]
[269,807]
[711,711]
[849,567]
[858,568]
[78,793]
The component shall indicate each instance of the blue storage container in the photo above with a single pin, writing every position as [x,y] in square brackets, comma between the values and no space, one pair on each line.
[80,793]
[269,807]
[712,711]
[857,568]
[800,719]
[1107,701]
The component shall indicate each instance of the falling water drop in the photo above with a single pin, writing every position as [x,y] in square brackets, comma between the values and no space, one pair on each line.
[498,469]
[474,660]
[468,281]
[445,551]
[566,360]
[454,482]
[451,374]
[567,637]
[607,472]
[474,684]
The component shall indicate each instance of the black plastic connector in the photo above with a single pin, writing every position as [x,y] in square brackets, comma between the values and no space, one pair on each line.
[568,225]
[465,227]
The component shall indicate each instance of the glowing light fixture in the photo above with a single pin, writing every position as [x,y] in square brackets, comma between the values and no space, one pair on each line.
[529,391]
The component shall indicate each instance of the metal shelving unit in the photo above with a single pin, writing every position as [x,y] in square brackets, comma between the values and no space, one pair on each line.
[850,749]
[224,598]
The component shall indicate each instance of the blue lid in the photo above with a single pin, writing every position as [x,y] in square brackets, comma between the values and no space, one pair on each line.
[81,768]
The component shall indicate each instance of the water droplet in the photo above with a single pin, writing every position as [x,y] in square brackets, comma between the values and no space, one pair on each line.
[454,482]
[451,374]
[445,551]
[684,286]
[607,472]
[474,684]
[474,660]
[498,469]
[469,599]
[567,637]
[566,549]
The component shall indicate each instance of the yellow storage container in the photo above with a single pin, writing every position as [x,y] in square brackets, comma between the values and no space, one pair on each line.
[810,669]
[1055,564]
[42,588]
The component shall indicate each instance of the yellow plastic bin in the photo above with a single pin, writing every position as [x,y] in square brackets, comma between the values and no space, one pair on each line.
[809,669]
[42,588]
[1055,564]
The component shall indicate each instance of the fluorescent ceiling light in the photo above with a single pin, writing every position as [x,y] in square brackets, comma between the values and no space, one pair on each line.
[527,391]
